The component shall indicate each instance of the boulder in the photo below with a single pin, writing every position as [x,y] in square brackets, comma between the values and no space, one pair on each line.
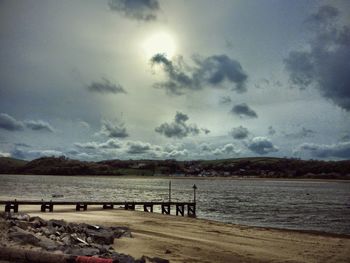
[37,221]
[101,236]
[86,251]
[23,237]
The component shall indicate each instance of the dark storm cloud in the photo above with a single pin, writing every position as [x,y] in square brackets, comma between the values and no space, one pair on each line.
[145,10]
[105,86]
[271,131]
[326,63]
[345,137]
[9,123]
[113,130]
[215,71]
[205,130]
[239,133]
[340,150]
[39,125]
[137,147]
[225,100]
[179,128]
[243,110]
[304,132]
[261,145]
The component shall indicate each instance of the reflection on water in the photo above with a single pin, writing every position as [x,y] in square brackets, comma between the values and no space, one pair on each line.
[310,205]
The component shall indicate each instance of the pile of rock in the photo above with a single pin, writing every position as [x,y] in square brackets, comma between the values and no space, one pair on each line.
[67,238]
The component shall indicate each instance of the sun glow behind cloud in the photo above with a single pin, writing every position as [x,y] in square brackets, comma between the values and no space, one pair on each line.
[160,42]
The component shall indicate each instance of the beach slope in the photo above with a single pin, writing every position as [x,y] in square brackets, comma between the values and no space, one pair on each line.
[182,239]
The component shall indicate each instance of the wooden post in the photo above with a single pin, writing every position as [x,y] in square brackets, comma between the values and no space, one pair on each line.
[129,206]
[169,191]
[148,208]
[180,209]
[191,210]
[194,193]
[108,206]
[81,206]
[166,208]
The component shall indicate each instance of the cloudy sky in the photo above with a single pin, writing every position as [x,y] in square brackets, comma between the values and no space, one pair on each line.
[184,79]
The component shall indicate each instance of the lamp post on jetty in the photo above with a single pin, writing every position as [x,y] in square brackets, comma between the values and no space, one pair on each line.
[194,193]
[169,191]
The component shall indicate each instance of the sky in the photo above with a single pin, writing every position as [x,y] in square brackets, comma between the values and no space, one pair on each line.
[175,79]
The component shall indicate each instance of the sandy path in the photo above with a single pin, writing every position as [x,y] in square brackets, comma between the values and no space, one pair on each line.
[195,240]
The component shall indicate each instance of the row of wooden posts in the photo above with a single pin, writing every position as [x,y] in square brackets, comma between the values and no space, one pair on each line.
[180,207]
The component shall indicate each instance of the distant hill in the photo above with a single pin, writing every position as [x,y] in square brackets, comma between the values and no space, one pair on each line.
[10,165]
[265,167]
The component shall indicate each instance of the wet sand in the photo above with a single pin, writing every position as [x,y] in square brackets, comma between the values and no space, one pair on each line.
[183,239]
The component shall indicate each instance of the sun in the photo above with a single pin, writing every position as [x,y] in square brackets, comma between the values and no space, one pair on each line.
[161,42]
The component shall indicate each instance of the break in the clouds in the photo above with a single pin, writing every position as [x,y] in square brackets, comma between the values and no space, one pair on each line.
[39,126]
[212,71]
[105,86]
[145,10]
[244,111]
[239,133]
[325,63]
[339,150]
[179,128]
[9,123]
[262,145]
[114,129]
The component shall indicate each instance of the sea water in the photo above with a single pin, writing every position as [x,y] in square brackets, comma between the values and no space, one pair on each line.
[289,204]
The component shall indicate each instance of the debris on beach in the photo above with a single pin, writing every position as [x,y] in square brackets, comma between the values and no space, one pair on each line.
[71,240]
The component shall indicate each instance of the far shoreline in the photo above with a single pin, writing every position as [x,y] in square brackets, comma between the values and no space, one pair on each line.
[245,178]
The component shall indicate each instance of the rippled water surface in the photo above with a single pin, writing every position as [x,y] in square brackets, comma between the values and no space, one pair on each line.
[308,205]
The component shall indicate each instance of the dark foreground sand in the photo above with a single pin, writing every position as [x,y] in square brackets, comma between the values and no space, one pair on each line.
[182,239]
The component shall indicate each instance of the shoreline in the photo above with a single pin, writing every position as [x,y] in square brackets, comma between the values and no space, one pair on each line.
[202,240]
[71,209]
[233,178]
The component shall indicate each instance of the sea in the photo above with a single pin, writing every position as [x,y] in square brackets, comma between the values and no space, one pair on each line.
[288,204]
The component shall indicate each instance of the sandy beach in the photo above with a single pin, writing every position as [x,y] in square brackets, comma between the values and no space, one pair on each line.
[182,239]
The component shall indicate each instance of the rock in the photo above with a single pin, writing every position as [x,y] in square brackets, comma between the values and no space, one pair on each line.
[67,240]
[16,216]
[46,231]
[48,244]
[121,232]
[22,224]
[57,223]
[86,251]
[167,251]
[37,221]
[89,240]
[23,237]
[122,258]
[101,237]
